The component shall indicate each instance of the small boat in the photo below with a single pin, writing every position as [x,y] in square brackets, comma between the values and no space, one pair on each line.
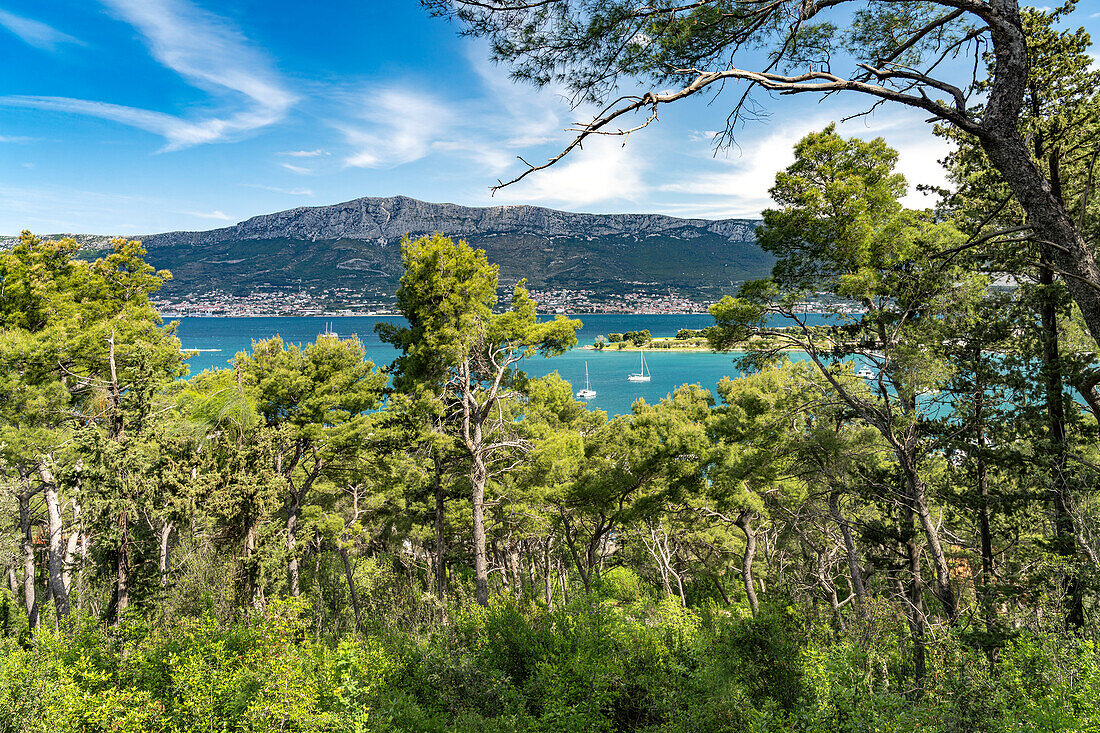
[587,393]
[865,372]
[643,375]
[329,333]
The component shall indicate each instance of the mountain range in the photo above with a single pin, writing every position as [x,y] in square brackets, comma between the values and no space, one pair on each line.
[356,245]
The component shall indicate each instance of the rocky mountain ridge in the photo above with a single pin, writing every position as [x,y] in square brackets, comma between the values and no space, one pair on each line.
[386,220]
[350,248]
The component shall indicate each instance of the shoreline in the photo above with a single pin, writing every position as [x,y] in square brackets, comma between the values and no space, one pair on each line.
[683,349]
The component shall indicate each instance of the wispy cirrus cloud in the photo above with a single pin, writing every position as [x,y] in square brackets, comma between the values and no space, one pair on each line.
[304,153]
[216,214]
[397,126]
[301,170]
[392,126]
[276,189]
[210,54]
[36,33]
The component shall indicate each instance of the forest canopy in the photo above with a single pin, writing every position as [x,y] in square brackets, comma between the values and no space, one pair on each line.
[886,518]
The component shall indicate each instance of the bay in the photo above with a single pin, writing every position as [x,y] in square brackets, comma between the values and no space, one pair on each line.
[219,339]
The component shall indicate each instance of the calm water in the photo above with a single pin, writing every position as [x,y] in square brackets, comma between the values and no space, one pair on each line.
[607,370]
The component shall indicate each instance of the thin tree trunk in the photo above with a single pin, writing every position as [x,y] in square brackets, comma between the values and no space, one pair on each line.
[30,600]
[854,568]
[744,521]
[944,592]
[547,580]
[254,589]
[13,581]
[916,595]
[440,535]
[352,589]
[122,569]
[512,560]
[721,589]
[165,559]
[478,480]
[1065,544]
[55,557]
[293,510]
[564,584]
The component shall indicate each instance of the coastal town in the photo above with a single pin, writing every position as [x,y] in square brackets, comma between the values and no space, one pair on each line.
[345,301]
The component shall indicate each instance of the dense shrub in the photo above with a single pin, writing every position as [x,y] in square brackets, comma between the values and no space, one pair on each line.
[615,661]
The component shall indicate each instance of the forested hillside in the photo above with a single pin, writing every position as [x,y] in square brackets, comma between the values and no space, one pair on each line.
[900,532]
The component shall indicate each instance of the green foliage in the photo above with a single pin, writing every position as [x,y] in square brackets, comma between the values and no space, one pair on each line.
[593,666]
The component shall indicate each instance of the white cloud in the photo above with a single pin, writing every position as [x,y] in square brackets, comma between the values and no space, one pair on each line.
[304,153]
[276,189]
[404,124]
[603,171]
[206,51]
[35,33]
[741,191]
[219,215]
[398,126]
[15,139]
[296,169]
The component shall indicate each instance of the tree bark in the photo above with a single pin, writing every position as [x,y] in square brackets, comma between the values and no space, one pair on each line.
[440,535]
[744,521]
[26,526]
[122,568]
[944,592]
[854,568]
[164,564]
[293,512]
[55,556]
[352,589]
[915,603]
[72,544]
[547,579]
[478,478]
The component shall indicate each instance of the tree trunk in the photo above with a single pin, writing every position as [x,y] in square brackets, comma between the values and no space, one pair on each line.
[916,596]
[854,568]
[1045,212]
[547,580]
[165,560]
[744,521]
[1065,545]
[293,511]
[122,568]
[72,544]
[352,589]
[30,600]
[56,558]
[252,580]
[440,535]
[479,477]
[512,559]
[944,592]
[13,581]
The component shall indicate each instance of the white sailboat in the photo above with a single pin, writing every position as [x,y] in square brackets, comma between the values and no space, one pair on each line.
[587,393]
[866,372]
[642,375]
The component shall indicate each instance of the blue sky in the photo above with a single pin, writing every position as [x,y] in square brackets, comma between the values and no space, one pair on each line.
[141,116]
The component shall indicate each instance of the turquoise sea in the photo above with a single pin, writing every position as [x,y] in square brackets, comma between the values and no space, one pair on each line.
[221,338]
